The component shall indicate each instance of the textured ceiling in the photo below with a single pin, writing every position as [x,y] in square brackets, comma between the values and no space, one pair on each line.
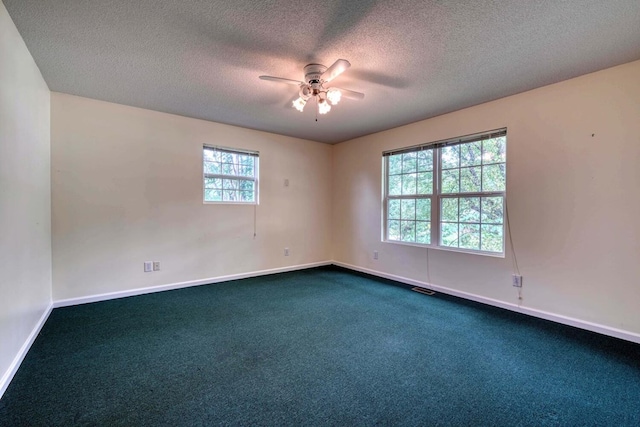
[412,59]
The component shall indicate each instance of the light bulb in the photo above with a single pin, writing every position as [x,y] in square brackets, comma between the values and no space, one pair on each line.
[323,106]
[333,95]
[299,104]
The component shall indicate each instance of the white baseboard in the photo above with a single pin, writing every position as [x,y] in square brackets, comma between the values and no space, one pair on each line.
[558,318]
[17,361]
[179,285]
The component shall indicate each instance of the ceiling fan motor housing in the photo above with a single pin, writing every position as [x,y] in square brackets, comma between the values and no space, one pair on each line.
[313,74]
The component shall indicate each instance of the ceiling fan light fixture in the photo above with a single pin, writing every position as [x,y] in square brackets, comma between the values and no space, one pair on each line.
[334,95]
[305,92]
[299,104]
[323,106]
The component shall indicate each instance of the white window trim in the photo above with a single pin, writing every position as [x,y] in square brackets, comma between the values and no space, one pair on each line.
[436,197]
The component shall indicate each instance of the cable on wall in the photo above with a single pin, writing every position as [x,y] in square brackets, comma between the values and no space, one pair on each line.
[428,268]
[514,258]
[255,217]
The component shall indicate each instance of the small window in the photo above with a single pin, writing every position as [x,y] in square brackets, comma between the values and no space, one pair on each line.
[448,194]
[230,175]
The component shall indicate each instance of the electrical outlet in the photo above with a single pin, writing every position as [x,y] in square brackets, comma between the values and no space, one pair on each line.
[148,266]
[286,251]
[517,280]
[375,254]
[156,265]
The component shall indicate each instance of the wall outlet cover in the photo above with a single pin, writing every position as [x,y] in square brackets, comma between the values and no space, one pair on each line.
[517,280]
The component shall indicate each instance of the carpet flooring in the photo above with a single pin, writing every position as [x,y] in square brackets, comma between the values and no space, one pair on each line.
[319,347]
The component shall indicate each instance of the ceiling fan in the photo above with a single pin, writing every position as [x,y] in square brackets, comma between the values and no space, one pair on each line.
[313,86]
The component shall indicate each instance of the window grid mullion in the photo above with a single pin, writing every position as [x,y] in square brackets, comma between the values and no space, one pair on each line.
[485,194]
[435,210]
[232,177]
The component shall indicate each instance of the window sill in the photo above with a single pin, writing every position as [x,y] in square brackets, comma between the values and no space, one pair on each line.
[448,249]
[231,203]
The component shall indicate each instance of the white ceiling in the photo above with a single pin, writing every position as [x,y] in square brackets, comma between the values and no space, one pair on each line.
[412,59]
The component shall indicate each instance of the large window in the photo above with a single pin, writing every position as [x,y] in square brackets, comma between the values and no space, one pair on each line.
[230,175]
[448,194]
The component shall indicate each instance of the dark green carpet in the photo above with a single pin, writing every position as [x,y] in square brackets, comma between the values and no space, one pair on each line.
[317,347]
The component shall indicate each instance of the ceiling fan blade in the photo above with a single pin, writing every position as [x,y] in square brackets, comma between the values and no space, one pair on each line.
[335,70]
[351,94]
[281,80]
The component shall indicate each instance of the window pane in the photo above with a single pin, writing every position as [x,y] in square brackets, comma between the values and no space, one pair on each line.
[492,210]
[246,185]
[408,231]
[211,195]
[470,154]
[208,155]
[247,196]
[470,236]
[494,150]
[492,238]
[227,169]
[450,157]
[212,167]
[450,179]
[246,160]
[395,164]
[245,170]
[409,183]
[211,155]
[423,209]
[423,232]
[408,209]
[209,183]
[470,209]
[226,157]
[449,210]
[395,185]
[470,180]
[409,162]
[425,160]
[229,184]
[425,183]
[493,177]
[449,234]
[394,230]
[393,210]
[229,195]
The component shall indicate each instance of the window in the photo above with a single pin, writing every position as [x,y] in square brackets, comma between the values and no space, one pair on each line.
[230,175]
[448,194]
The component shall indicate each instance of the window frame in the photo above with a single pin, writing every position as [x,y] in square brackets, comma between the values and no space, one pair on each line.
[255,178]
[436,197]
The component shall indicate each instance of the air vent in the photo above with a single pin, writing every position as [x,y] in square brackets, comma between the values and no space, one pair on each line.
[423,291]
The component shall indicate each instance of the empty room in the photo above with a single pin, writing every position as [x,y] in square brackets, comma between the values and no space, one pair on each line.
[346,213]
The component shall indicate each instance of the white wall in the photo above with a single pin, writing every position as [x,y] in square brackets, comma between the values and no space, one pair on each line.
[25,200]
[573,200]
[127,188]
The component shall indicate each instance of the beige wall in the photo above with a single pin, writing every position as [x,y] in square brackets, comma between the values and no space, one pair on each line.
[127,188]
[573,200]
[25,213]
